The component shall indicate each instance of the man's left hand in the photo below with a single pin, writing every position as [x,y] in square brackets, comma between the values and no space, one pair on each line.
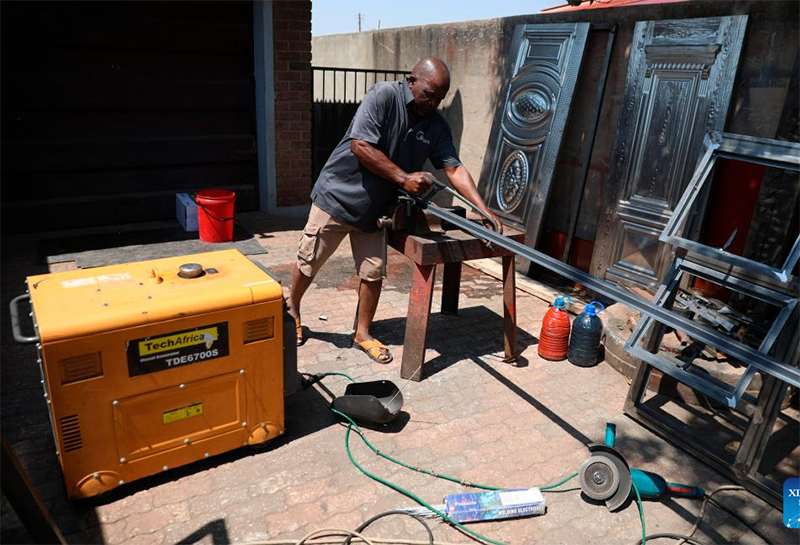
[488,224]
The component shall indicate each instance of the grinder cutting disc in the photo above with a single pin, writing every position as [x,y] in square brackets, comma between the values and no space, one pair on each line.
[605,476]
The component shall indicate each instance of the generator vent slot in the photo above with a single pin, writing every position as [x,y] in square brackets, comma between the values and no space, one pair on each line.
[81,367]
[71,433]
[258,330]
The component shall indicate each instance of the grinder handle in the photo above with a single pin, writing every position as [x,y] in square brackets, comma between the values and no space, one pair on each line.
[611,434]
[13,310]
[685,491]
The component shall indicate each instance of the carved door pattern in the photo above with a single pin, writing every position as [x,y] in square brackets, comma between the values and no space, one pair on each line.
[529,123]
[679,83]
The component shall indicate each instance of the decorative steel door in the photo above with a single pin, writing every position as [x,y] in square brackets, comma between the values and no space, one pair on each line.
[680,78]
[529,125]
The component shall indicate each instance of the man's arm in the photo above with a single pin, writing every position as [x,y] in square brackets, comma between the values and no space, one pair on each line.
[376,162]
[462,181]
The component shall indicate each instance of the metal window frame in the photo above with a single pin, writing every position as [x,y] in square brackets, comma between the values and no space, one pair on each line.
[765,151]
[744,467]
[686,373]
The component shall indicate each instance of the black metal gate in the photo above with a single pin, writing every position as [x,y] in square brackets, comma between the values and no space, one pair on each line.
[337,95]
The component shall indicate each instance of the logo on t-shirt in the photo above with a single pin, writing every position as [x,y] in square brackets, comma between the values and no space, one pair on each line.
[421,138]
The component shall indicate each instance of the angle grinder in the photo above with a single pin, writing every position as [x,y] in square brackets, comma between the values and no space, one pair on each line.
[606,476]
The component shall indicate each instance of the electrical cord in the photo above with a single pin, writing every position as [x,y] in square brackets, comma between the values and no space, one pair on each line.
[699,518]
[317,537]
[351,425]
[641,511]
[311,379]
[733,513]
[398,488]
[708,498]
[325,539]
[668,535]
[335,531]
[389,513]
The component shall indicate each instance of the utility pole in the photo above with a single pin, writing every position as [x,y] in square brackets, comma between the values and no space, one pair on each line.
[360,19]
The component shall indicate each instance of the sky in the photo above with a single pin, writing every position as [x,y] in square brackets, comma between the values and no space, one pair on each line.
[340,16]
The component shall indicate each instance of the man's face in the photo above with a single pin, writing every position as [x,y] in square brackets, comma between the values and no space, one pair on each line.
[428,93]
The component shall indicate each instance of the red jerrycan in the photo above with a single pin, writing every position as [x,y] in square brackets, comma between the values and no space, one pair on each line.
[554,337]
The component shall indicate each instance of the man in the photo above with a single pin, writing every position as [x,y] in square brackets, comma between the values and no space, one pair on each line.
[395,129]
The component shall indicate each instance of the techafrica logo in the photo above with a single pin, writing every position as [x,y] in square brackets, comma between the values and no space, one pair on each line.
[791,503]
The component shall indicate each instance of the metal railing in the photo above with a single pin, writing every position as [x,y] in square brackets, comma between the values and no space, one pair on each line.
[348,85]
[337,95]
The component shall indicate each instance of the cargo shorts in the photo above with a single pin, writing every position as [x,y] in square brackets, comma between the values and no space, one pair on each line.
[323,234]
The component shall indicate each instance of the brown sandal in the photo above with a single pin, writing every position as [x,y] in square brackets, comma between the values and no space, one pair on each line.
[373,348]
[298,326]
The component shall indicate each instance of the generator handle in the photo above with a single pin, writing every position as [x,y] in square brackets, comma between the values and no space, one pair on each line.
[13,310]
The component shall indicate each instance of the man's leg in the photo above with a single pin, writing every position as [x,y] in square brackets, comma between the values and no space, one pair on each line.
[368,295]
[300,284]
[367,249]
[321,236]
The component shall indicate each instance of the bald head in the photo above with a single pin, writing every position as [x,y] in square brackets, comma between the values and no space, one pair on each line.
[432,69]
[429,82]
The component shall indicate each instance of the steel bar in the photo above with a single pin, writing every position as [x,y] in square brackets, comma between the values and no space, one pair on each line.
[762,362]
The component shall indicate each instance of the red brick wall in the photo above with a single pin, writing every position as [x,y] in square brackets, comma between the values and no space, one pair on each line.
[291,20]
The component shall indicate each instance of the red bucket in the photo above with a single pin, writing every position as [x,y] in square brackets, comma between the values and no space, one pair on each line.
[215,214]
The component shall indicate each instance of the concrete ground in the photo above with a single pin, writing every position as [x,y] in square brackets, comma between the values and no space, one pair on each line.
[472,417]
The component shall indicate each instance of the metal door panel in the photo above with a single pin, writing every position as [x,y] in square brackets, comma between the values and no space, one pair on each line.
[530,123]
[680,78]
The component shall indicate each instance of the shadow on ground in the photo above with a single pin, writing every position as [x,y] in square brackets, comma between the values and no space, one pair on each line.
[448,335]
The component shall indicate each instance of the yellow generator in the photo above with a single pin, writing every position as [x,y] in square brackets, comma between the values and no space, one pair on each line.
[152,365]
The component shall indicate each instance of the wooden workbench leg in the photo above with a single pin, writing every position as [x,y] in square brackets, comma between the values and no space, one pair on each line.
[419,312]
[451,285]
[509,309]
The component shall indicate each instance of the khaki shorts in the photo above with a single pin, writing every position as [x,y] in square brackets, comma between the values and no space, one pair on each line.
[323,234]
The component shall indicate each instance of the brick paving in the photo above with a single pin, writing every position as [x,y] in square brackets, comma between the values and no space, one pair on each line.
[472,416]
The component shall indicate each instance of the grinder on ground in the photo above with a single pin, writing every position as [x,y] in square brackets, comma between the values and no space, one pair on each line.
[606,476]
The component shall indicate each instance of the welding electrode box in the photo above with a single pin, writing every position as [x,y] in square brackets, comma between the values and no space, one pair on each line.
[152,365]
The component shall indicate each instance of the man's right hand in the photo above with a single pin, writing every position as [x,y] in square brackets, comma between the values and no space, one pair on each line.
[416,183]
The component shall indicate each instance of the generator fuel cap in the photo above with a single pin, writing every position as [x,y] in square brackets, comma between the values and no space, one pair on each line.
[191,270]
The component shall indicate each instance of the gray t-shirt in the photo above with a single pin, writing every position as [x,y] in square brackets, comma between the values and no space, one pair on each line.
[354,195]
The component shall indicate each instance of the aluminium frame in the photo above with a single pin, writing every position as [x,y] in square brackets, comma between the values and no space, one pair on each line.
[772,153]
[685,372]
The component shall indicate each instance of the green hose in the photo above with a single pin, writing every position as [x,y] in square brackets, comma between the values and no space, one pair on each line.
[399,488]
[352,424]
[321,376]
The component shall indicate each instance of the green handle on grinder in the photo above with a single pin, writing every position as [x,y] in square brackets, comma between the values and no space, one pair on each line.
[651,486]
[611,434]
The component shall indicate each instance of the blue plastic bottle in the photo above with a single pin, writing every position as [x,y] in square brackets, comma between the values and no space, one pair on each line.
[584,342]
